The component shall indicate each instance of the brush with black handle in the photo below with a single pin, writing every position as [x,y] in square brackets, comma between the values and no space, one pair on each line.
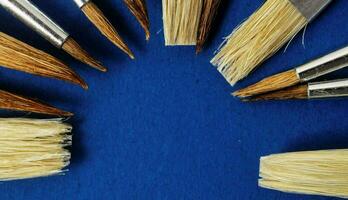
[33,17]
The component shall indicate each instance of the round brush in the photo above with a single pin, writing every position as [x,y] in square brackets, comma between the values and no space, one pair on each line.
[29,14]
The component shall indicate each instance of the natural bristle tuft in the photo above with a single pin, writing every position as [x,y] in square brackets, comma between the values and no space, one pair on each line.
[31,148]
[209,11]
[294,92]
[139,10]
[11,101]
[272,83]
[23,57]
[263,34]
[314,172]
[96,16]
[76,51]
[180,21]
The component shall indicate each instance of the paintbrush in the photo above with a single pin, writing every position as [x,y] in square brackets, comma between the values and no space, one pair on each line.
[316,90]
[139,10]
[209,12]
[263,34]
[17,55]
[313,172]
[319,67]
[31,148]
[180,20]
[10,101]
[29,14]
[96,16]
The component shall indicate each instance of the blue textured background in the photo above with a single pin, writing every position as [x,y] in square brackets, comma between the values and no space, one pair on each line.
[165,126]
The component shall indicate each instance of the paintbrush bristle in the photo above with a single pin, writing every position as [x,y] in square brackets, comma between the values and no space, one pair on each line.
[10,101]
[31,148]
[180,20]
[272,83]
[263,34]
[209,12]
[294,92]
[75,50]
[96,16]
[139,10]
[314,172]
[17,55]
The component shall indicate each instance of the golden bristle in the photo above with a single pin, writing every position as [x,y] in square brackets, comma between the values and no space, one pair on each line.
[31,148]
[76,51]
[313,172]
[17,55]
[294,92]
[263,34]
[269,84]
[180,20]
[209,11]
[12,101]
[139,10]
[96,16]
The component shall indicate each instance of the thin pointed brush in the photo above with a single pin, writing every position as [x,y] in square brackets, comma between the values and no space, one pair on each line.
[32,148]
[10,101]
[209,12]
[180,20]
[96,16]
[316,90]
[139,10]
[263,34]
[304,73]
[17,55]
[313,172]
[29,14]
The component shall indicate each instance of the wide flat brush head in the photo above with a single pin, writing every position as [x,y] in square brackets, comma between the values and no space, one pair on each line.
[139,10]
[75,50]
[23,57]
[272,83]
[180,20]
[12,101]
[294,92]
[258,38]
[209,11]
[95,15]
[314,172]
[32,148]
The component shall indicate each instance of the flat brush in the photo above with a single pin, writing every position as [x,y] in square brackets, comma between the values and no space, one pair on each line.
[319,67]
[17,55]
[263,34]
[313,172]
[10,101]
[209,12]
[139,10]
[317,90]
[31,148]
[180,20]
[29,14]
[96,16]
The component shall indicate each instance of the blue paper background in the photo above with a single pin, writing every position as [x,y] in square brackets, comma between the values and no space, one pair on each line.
[165,126]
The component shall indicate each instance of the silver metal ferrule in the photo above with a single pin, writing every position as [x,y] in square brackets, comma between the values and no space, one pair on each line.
[29,14]
[336,88]
[81,3]
[324,65]
[310,8]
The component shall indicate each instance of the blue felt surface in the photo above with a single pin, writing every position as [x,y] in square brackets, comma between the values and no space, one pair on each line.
[165,126]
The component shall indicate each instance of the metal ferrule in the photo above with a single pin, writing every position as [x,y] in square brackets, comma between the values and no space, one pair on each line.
[81,3]
[336,88]
[310,8]
[29,14]
[324,65]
